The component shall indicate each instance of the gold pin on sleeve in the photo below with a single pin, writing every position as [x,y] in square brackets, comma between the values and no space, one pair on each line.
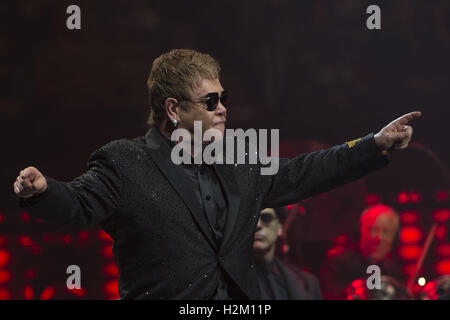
[352,143]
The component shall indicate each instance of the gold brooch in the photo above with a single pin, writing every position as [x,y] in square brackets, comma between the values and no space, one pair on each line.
[352,143]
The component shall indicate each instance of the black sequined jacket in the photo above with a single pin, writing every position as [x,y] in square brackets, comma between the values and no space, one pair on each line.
[163,245]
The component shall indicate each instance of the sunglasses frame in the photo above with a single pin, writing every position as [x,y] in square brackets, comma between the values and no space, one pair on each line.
[211,105]
[265,215]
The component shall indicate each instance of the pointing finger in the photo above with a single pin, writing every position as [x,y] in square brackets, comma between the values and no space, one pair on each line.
[408,117]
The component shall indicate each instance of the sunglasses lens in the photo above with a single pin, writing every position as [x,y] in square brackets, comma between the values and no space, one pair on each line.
[266,218]
[224,99]
[213,100]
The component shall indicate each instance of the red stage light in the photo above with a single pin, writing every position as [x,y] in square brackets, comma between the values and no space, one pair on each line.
[372,199]
[28,293]
[442,195]
[443,267]
[83,235]
[301,210]
[441,215]
[111,270]
[111,288]
[67,239]
[48,293]
[78,292]
[36,249]
[409,269]
[410,234]
[5,294]
[102,235]
[5,257]
[409,252]
[414,197]
[289,207]
[5,276]
[25,241]
[441,232]
[30,274]
[25,217]
[443,249]
[106,251]
[341,240]
[403,197]
[409,217]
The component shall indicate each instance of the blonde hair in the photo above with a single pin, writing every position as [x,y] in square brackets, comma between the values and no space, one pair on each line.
[175,74]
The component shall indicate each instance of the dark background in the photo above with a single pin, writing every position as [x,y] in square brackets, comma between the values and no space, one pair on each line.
[309,68]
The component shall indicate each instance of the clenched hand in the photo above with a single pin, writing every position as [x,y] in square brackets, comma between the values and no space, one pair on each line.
[30,182]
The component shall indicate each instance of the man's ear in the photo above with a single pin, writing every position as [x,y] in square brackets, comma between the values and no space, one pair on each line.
[171,106]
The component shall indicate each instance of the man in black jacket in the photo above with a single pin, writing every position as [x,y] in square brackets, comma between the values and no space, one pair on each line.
[186,231]
[278,280]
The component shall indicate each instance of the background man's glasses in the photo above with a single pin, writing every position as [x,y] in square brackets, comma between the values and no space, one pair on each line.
[212,100]
[266,218]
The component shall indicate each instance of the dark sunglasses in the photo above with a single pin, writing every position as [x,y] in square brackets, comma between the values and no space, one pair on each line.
[267,218]
[212,100]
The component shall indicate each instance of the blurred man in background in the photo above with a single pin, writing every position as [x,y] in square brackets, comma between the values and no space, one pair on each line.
[277,280]
[378,231]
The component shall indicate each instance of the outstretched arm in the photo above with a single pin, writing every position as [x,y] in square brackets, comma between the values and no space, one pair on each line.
[85,201]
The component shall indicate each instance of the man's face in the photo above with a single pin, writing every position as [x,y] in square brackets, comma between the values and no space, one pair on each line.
[377,234]
[196,111]
[267,233]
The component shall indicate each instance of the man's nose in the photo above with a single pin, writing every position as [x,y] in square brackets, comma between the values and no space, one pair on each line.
[259,225]
[221,109]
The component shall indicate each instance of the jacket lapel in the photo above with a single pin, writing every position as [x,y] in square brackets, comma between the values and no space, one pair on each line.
[159,151]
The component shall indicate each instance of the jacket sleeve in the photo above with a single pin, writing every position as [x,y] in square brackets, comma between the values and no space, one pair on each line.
[321,171]
[86,201]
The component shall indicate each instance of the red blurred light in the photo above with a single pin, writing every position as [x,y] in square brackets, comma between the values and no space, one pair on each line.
[111,269]
[372,199]
[2,240]
[67,239]
[402,197]
[28,293]
[334,251]
[410,234]
[443,249]
[5,257]
[441,215]
[289,207]
[25,241]
[409,269]
[442,195]
[409,217]
[36,249]
[111,288]
[409,252]
[301,210]
[48,293]
[5,294]
[83,235]
[5,276]
[25,217]
[285,248]
[357,283]
[414,197]
[102,235]
[441,232]
[106,251]
[78,292]
[2,217]
[30,274]
[443,267]
[341,240]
